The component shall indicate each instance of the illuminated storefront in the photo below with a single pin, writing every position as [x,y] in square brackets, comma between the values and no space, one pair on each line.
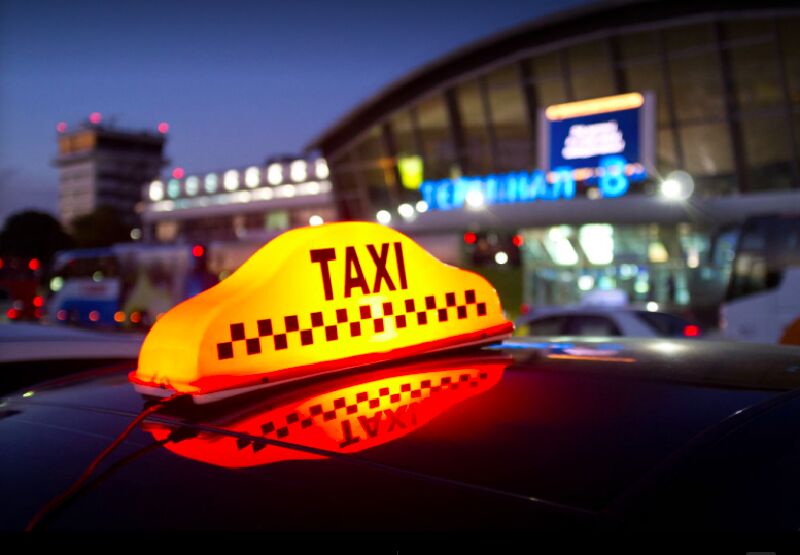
[627,136]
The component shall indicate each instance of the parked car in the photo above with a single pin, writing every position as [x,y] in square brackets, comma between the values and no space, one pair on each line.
[602,321]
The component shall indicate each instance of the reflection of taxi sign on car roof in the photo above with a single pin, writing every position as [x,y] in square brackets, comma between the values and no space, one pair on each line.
[316,300]
[345,416]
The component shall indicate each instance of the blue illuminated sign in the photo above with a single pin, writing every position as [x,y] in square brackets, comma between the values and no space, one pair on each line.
[448,194]
[581,142]
[603,142]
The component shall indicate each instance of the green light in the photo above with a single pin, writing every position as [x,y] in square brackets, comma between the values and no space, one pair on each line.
[173,188]
[56,283]
[28,394]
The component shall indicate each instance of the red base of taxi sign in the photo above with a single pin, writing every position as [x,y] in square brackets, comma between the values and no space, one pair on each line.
[313,301]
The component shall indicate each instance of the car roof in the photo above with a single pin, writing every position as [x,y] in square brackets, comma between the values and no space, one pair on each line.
[578,309]
[26,342]
[537,429]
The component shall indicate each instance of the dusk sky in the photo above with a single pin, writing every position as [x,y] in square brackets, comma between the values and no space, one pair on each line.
[237,81]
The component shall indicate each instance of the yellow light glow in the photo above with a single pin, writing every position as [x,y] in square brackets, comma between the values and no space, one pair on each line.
[315,300]
[411,171]
[594,106]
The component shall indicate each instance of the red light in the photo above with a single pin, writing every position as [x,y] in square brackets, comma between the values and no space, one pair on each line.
[177,173]
[517,240]
[38,302]
[33,264]
[61,127]
[12,313]
[1,262]
[95,118]
[524,308]
[38,313]
[61,315]
[470,238]
[198,250]
[136,317]
[691,330]
[381,420]
[94,316]
[163,128]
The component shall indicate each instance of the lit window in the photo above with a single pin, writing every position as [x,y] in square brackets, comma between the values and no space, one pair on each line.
[597,241]
[211,183]
[156,191]
[321,169]
[298,171]
[192,185]
[231,180]
[559,247]
[173,188]
[252,177]
[275,174]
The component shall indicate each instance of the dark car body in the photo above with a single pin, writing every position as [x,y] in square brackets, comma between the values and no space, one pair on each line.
[539,436]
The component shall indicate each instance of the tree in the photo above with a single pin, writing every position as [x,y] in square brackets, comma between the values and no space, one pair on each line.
[101,228]
[33,234]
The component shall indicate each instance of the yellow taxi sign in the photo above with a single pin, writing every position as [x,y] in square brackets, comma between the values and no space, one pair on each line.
[315,300]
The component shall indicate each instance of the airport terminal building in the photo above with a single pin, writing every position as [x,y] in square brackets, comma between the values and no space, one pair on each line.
[606,147]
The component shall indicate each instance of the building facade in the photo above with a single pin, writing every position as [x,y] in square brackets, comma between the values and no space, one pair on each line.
[237,210]
[101,165]
[695,106]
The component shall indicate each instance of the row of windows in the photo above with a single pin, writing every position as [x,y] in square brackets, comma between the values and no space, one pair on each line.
[237,226]
[727,100]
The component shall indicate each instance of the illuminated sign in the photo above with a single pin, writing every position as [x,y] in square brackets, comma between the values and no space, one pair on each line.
[603,143]
[345,416]
[611,177]
[316,300]
[580,135]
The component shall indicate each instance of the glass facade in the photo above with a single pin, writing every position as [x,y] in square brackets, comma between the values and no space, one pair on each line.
[727,93]
[650,263]
[726,88]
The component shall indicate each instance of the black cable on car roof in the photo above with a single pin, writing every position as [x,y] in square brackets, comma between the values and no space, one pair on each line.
[76,486]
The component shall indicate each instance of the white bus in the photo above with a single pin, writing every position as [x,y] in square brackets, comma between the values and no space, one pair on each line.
[762,302]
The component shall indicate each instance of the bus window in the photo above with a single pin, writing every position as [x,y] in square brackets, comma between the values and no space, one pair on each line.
[766,247]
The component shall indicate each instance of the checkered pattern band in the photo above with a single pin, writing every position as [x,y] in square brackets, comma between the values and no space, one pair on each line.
[318,414]
[419,312]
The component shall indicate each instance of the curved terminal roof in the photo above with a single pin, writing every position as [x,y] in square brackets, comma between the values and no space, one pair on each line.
[594,19]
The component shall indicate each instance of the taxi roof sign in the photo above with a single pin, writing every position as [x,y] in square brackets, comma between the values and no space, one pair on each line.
[316,300]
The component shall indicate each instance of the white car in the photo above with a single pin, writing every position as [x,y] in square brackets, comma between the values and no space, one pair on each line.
[601,321]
